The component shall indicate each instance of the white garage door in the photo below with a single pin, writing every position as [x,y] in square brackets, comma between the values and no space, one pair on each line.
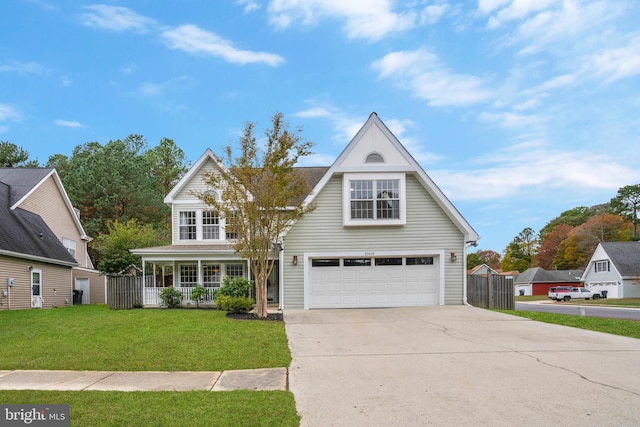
[373,282]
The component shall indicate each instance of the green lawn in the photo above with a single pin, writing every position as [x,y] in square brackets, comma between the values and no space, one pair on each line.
[193,408]
[93,337]
[627,328]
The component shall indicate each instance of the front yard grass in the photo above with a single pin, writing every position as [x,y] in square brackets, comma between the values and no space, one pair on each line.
[193,408]
[627,328]
[93,337]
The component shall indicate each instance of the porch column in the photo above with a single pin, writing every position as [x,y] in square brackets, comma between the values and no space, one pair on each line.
[199,271]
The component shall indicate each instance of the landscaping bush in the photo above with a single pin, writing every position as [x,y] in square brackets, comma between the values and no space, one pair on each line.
[198,293]
[236,287]
[234,305]
[171,297]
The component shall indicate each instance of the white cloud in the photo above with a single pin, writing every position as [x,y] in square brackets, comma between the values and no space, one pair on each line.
[23,68]
[518,9]
[153,89]
[510,119]
[69,124]
[192,39]
[115,18]
[364,19]
[433,13]
[488,6]
[249,5]
[545,170]
[617,63]
[9,113]
[422,74]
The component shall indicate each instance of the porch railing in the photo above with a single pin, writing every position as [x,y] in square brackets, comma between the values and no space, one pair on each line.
[152,295]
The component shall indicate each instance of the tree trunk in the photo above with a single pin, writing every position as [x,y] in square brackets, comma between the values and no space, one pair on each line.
[261,296]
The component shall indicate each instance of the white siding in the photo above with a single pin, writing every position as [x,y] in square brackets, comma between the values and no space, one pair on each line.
[428,228]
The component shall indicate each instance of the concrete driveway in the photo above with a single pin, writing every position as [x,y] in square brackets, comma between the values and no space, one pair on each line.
[457,366]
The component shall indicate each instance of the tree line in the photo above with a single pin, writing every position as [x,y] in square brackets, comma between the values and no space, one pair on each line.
[567,241]
[118,189]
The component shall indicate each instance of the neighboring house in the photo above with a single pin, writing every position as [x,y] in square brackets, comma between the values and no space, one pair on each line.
[538,281]
[43,247]
[482,270]
[382,234]
[615,268]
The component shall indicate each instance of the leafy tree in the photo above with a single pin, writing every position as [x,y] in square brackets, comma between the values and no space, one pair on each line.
[520,252]
[489,257]
[626,203]
[572,217]
[263,193]
[112,183]
[167,163]
[12,156]
[576,250]
[113,246]
[473,260]
[549,244]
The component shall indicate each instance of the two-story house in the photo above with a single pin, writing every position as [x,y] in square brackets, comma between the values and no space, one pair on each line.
[43,246]
[382,234]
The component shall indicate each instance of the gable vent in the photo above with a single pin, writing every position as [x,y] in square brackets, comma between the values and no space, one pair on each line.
[374,158]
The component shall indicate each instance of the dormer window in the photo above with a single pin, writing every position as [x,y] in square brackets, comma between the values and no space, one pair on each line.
[374,199]
[374,158]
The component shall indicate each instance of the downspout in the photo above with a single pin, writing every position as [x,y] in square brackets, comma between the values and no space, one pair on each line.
[281,280]
[464,271]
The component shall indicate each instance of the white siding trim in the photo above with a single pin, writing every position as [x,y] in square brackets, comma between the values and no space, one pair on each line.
[436,253]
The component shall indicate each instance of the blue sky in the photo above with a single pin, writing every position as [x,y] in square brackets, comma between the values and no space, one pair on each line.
[517,109]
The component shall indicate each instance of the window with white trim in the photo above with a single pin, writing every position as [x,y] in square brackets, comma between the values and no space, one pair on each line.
[70,245]
[231,227]
[211,275]
[188,275]
[188,225]
[374,199]
[235,270]
[210,225]
[601,266]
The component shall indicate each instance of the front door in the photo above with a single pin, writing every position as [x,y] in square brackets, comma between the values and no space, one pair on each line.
[36,288]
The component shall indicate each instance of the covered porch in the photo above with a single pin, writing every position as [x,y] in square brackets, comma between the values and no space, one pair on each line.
[185,267]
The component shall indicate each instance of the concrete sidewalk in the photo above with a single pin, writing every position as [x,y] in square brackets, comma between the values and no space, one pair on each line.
[250,379]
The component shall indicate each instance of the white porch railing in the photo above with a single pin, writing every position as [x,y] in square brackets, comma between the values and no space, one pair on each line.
[152,295]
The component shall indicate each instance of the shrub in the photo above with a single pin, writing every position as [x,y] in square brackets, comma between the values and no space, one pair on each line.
[171,297]
[234,305]
[236,287]
[198,293]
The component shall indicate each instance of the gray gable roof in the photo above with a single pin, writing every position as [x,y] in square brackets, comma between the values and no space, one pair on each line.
[22,180]
[540,275]
[625,256]
[23,233]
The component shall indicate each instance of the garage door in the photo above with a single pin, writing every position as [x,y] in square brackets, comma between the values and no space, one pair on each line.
[373,282]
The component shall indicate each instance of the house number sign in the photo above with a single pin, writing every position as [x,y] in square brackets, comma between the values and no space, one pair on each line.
[369,253]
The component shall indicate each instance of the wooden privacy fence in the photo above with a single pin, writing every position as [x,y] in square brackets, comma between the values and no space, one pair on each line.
[124,291]
[491,291]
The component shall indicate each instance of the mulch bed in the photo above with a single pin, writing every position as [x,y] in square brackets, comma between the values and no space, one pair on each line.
[252,316]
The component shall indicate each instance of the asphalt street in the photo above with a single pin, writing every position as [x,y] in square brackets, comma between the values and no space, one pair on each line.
[591,311]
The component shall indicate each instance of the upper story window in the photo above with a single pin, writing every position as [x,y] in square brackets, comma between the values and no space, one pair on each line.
[371,199]
[210,226]
[374,158]
[231,228]
[601,266]
[188,225]
[70,245]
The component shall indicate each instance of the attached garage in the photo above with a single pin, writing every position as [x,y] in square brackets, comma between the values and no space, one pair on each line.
[373,281]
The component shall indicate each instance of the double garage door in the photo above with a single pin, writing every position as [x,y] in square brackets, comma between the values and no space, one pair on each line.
[373,282]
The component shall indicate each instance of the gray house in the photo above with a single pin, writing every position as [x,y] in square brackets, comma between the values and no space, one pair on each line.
[615,268]
[382,234]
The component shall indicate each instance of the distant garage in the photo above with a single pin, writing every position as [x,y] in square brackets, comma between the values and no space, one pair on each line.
[359,282]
